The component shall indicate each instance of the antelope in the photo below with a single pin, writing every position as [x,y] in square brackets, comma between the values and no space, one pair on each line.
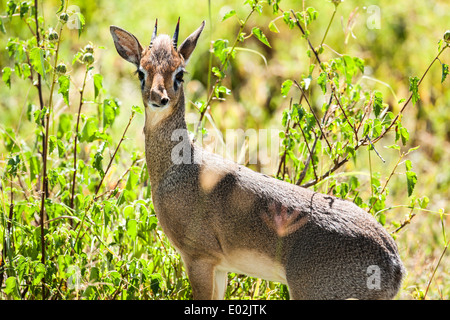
[224,217]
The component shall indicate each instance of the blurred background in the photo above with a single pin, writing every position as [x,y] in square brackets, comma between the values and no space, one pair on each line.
[397,40]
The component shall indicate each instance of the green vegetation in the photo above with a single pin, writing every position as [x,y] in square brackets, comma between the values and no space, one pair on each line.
[358,94]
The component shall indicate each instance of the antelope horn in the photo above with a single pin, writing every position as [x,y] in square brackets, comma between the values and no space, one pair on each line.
[175,35]
[154,33]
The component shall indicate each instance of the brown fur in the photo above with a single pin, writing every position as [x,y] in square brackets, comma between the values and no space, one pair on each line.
[223,217]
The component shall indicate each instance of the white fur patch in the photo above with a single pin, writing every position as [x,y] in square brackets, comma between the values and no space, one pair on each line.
[154,115]
[253,264]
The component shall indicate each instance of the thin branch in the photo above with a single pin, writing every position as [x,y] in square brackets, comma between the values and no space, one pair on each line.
[74,177]
[410,97]
[308,160]
[283,157]
[320,64]
[44,153]
[373,147]
[115,152]
[314,114]
[434,271]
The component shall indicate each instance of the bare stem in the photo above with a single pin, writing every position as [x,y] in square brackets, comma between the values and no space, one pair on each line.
[115,152]
[314,114]
[75,139]
[44,154]
[434,271]
[328,28]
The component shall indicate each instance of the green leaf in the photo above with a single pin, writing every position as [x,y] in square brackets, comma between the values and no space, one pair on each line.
[13,165]
[411,180]
[110,111]
[287,19]
[97,163]
[394,146]
[322,81]
[285,87]
[273,27]
[408,165]
[98,84]
[412,149]
[378,103]
[312,14]
[414,88]
[220,49]
[89,130]
[261,36]
[404,135]
[6,76]
[137,109]
[61,148]
[132,228]
[64,85]
[39,273]
[12,287]
[61,7]
[82,22]
[219,74]
[64,124]
[359,63]
[26,72]
[11,8]
[444,72]
[423,203]
[401,132]
[411,177]
[52,142]
[229,15]
[37,60]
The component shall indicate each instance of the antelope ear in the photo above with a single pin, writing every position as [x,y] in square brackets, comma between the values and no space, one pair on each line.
[127,45]
[188,45]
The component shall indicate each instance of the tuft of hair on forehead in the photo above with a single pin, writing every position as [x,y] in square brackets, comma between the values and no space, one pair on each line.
[162,53]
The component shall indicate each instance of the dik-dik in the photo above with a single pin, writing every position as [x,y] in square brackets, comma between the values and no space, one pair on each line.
[223,217]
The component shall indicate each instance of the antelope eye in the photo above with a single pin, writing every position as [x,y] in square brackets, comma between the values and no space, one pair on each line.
[141,75]
[179,76]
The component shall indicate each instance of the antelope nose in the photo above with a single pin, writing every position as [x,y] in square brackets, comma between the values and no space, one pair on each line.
[164,100]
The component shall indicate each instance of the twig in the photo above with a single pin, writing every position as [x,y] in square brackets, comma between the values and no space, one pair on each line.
[434,271]
[321,67]
[115,152]
[329,24]
[283,157]
[367,136]
[406,222]
[410,97]
[74,177]
[44,152]
[308,160]
[315,116]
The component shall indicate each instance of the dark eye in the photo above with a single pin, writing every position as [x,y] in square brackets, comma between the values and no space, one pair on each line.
[141,75]
[179,76]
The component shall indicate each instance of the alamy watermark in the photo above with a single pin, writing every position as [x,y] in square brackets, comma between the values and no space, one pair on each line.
[374,19]
[373,277]
[249,146]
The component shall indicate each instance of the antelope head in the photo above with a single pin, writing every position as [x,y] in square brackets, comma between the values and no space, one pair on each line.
[160,67]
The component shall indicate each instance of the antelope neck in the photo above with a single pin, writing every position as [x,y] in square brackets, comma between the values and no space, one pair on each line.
[161,139]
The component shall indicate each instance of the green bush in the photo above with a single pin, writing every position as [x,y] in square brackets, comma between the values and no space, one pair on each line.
[77,221]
